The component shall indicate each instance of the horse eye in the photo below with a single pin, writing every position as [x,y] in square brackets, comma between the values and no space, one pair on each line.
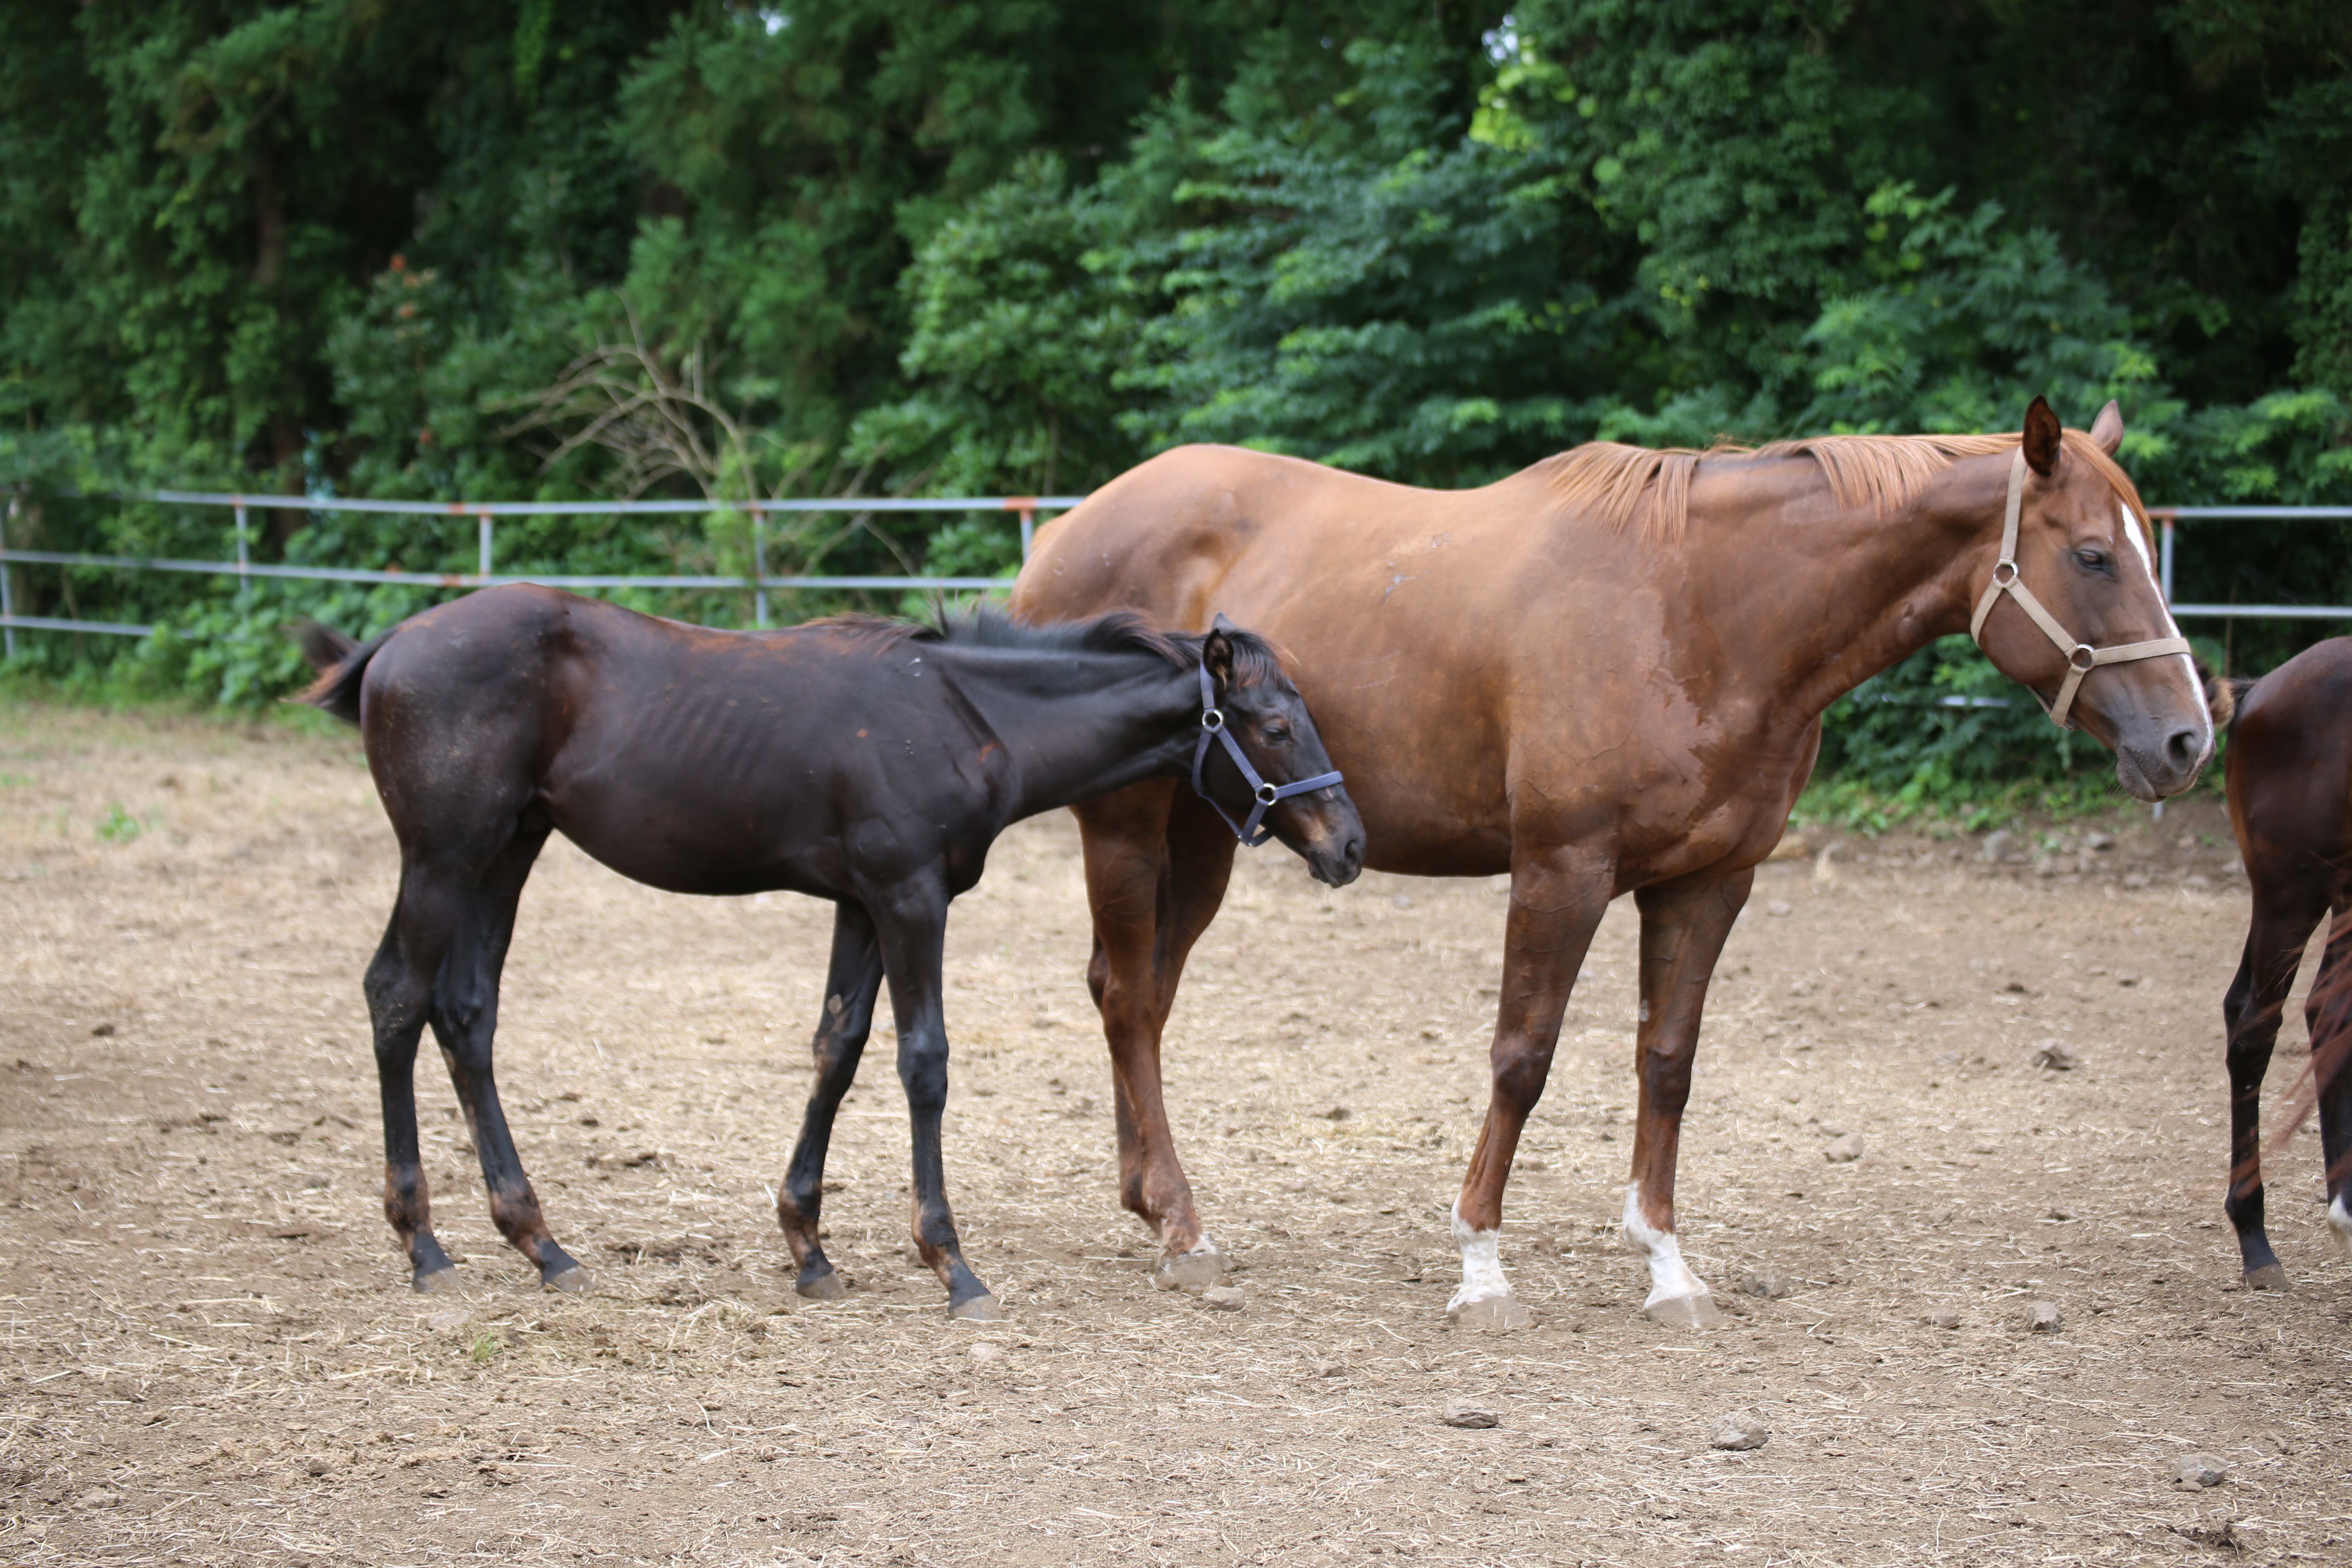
[1275,734]
[2096,560]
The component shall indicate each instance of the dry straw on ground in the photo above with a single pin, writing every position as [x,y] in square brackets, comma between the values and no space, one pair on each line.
[211,1358]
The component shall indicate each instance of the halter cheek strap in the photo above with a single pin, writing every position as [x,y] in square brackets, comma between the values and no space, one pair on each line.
[1261,794]
[2081,657]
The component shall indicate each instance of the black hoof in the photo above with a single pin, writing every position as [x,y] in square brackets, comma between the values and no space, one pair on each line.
[825,1287]
[567,1278]
[441,1282]
[980,1309]
[2269,1277]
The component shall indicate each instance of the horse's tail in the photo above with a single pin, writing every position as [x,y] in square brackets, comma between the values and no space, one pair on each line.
[2223,693]
[340,662]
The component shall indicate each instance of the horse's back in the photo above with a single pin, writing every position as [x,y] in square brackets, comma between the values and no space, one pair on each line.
[2289,772]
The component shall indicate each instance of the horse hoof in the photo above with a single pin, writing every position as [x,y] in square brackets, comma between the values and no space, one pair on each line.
[1685,1311]
[980,1309]
[1491,1314]
[825,1287]
[1188,1270]
[440,1282]
[2269,1277]
[572,1281]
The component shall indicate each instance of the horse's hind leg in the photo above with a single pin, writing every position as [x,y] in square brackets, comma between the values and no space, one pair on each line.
[399,986]
[850,985]
[2328,1011]
[1157,866]
[465,1021]
[2284,913]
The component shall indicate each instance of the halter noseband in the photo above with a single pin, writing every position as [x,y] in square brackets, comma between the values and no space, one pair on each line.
[1263,795]
[2081,657]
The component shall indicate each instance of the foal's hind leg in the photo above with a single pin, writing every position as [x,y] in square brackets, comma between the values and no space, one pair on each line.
[2285,911]
[1157,866]
[465,1021]
[850,985]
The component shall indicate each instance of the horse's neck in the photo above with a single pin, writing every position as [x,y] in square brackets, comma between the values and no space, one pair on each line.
[1857,591]
[1077,725]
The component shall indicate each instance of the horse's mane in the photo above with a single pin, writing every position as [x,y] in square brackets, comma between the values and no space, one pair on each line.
[1120,631]
[1649,488]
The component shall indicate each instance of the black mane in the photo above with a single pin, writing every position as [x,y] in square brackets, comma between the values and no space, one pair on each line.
[1120,631]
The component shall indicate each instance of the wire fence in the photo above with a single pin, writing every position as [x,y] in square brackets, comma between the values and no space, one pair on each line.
[758,582]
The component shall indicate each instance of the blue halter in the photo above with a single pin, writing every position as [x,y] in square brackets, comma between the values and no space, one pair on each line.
[1261,794]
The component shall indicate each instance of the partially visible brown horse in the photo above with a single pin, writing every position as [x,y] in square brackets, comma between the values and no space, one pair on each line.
[1603,675]
[2290,784]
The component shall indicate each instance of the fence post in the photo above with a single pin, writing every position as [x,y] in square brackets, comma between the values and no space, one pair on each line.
[244,562]
[7,589]
[759,568]
[2167,557]
[1027,507]
[485,520]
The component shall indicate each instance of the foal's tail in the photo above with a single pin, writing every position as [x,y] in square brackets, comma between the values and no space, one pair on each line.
[340,662]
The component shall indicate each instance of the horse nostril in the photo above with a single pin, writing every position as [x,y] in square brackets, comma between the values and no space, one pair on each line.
[1352,856]
[2185,749]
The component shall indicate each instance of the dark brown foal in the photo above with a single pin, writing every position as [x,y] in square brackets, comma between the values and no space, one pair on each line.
[870,764]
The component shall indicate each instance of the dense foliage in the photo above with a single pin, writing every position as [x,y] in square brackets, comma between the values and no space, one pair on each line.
[707,250]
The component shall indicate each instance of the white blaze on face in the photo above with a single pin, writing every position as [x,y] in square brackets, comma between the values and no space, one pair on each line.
[1482,1264]
[2171,630]
[1669,1278]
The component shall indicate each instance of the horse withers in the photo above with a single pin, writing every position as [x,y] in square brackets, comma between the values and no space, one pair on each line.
[1603,675]
[2289,780]
[866,761]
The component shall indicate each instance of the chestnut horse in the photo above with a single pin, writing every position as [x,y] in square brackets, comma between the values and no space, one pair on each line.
[1603,675]
[2289,775]
[868,762]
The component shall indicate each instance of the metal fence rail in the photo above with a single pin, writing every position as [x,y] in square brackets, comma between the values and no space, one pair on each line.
[758,582]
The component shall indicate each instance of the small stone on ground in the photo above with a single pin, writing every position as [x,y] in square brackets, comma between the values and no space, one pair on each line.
[2200,1469]
[2055,1054]
[1943,1320]
[1842,1151]
[1739,1431]
[1468,1413]
[1769,1283]
[2043,1317]
[1223,1298]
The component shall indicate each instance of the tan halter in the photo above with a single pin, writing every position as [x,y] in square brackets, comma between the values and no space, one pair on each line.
[2081,657]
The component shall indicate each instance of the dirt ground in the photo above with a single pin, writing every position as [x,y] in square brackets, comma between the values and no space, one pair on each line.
[211,1356]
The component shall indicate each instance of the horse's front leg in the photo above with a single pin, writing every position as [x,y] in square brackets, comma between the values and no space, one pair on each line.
[1683,932]
[850,985]
[911,924]
[1556,900]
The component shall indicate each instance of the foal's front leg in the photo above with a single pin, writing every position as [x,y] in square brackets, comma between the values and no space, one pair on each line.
[1683,934]
[911,923]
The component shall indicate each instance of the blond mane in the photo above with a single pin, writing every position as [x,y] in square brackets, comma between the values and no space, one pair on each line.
[1649,488]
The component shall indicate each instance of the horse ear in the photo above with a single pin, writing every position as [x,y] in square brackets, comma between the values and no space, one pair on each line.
[1217,655]
[2107,429]
[1218,623]
[2042,436]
